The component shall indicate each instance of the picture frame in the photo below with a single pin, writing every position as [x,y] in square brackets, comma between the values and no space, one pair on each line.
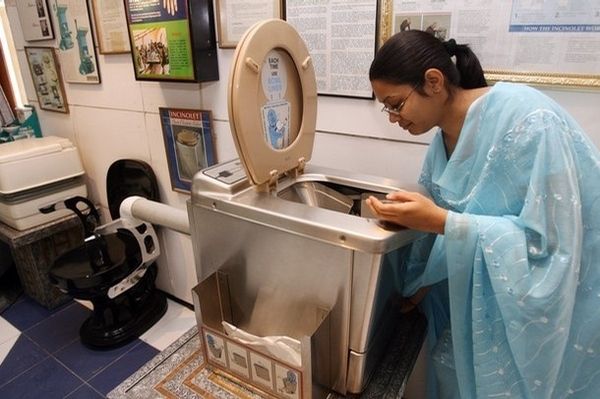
[234,17]
[238,358]
[261,370]
[7,116]
[157,29]
[189,144]
[47,80]
[76,45]
[111,26]
[342,53]
[540,46]
[36,22]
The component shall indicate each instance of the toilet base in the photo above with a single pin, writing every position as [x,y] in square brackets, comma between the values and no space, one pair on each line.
[116,322]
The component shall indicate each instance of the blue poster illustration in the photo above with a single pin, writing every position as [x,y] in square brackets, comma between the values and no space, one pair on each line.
[276,118]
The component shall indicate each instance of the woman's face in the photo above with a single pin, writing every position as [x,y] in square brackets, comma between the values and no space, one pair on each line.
[411,110]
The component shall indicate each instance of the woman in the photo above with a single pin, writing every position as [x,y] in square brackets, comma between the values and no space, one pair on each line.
[509,278]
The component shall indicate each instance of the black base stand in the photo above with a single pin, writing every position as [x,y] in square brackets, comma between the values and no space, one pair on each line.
[116,322]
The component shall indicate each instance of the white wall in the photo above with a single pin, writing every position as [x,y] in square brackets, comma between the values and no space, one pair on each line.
[119,119]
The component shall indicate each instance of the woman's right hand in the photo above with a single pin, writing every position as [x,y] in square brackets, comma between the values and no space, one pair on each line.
[410,209]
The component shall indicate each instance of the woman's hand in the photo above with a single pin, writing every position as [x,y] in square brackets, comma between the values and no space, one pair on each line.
[170,6]
[412,210]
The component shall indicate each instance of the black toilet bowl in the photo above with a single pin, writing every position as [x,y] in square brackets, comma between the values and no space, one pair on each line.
[111,258]
[91,269]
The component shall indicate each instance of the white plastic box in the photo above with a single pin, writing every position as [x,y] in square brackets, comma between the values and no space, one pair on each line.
[35,173]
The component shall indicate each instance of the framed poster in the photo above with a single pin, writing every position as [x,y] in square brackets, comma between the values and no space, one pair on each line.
[45,73]
[7,116]
[77,51]
[111,26]
[161,44]
[543,43]
[36,22]
[188,136]
[234,17]
[341,38]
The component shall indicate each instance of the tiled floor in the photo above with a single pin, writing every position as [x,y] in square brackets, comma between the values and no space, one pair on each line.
[41,355]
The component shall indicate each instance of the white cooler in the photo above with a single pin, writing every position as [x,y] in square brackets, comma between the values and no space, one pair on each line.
[35,173]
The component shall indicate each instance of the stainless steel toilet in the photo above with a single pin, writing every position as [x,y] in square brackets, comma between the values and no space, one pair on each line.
[289,235]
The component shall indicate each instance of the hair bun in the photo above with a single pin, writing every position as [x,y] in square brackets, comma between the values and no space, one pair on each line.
[451,47]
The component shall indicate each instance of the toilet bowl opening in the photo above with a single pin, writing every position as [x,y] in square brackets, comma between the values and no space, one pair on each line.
[332,196]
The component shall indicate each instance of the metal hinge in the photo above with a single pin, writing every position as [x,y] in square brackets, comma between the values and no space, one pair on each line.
[298,170]
[271,185]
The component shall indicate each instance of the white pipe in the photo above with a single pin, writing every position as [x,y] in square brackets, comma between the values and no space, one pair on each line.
[155,213]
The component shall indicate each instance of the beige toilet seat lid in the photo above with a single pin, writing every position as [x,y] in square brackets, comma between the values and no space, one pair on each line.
[272,100]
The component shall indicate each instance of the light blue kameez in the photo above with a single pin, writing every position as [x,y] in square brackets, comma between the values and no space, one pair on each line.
[515,306]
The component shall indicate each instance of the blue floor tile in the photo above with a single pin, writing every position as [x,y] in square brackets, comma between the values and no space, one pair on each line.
[23,355]
[26,313]
[60,329]
[86,362]
[47,380]
[84,392]
[123,368]
[48,359]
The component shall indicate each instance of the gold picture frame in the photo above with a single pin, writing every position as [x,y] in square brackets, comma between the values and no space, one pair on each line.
[111,27]
[248,12]
[556,78]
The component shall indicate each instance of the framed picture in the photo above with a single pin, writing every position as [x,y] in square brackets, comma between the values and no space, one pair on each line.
[234,17]
[216,348]
[537,43]
[188,135]
[160,39]
[341,52]
[238,359]
[77,51]
[261,370]
[288,382]
[36,22]
[7,116]
[111,26]
[45,73]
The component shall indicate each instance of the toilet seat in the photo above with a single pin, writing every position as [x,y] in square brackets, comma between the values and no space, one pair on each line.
[272,101]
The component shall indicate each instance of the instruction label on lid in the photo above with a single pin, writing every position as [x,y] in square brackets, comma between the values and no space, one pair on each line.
[276,111]
[275,117]
[274,76]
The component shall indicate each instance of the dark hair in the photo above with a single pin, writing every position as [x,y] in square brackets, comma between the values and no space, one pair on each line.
[405,57]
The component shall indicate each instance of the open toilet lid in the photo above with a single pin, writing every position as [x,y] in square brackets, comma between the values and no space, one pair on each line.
[272,100]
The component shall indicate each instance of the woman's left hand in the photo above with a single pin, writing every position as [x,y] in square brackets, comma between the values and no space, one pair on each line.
[410,209]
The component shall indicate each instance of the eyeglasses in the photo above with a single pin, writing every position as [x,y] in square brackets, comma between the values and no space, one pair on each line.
[396,110]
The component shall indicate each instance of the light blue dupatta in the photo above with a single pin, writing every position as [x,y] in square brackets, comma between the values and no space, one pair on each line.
[518,267]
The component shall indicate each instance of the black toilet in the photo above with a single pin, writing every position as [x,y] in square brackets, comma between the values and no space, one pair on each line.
[114,267]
